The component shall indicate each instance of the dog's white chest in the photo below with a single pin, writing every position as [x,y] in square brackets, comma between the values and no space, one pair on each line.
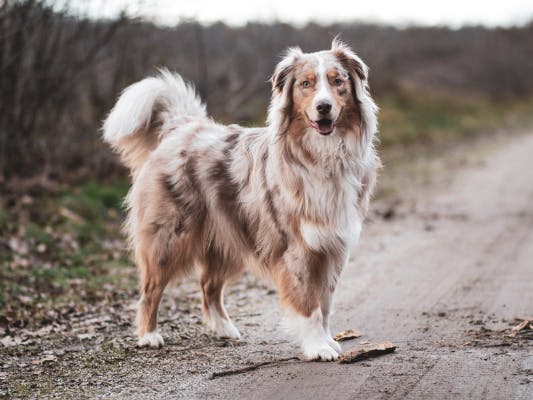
[342,234]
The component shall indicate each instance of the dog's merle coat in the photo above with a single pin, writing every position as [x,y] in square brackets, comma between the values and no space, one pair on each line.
[286,200]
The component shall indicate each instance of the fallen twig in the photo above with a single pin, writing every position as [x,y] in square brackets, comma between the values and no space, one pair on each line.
[253,367]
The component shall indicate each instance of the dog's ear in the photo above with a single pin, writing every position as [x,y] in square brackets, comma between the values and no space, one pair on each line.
[282,83]
[356,68]
[281,74]
[358,75]
[285,68]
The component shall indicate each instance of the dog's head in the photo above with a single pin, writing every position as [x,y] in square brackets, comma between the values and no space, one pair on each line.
[324,93]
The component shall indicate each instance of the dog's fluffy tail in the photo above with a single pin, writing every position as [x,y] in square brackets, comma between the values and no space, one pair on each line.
[137,122]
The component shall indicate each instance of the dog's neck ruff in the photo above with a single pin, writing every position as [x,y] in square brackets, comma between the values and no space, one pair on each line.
[323,157]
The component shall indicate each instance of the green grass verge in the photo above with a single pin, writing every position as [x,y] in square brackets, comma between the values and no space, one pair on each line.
[59,249]
[407,119]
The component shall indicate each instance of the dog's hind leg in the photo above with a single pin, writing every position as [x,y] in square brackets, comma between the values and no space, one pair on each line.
[158,262]
[215,272]
[153,283]
[214,311]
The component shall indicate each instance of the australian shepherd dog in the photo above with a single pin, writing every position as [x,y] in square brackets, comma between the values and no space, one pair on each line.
[286,200]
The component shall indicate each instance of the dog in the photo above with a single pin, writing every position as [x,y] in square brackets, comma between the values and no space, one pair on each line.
[286,200]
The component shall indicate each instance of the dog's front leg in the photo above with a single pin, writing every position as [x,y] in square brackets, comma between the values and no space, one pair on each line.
[300,287]
[326,305]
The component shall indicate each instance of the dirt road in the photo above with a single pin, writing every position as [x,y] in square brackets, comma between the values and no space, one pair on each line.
[443,276]
[428,280]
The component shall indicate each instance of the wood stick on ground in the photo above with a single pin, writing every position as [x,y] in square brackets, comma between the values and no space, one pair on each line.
[522,325]
[348,334]
[366,351]
[253,367]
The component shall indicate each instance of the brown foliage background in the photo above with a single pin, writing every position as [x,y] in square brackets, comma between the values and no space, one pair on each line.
[60,74]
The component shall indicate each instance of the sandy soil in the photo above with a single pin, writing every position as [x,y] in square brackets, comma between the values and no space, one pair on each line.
[443,269]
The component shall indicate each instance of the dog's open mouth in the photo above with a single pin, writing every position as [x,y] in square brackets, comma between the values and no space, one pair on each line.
[324,126]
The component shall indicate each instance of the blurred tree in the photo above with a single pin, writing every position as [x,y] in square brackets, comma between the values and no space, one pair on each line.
[60,73]
[42,54]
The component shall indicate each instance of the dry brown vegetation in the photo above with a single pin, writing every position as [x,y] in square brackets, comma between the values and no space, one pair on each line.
[60,75]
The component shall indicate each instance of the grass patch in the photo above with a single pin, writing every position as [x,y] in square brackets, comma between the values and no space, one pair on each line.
[61,248]
[419,132]
[93,201]
[407,119]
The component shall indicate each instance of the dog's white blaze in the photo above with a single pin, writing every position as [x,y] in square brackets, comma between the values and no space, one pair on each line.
[323,91]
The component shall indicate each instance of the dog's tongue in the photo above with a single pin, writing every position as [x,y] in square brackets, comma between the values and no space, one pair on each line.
[325,126]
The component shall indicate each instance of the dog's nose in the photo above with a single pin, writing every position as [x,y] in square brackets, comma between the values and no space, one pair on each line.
[323,107]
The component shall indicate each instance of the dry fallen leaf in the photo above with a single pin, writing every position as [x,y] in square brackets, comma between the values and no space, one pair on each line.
[71,215]
[362,352]
[84,336]
[9,341]
[348,334]
[18,245]
[526,324]
[46,359]
[521,326]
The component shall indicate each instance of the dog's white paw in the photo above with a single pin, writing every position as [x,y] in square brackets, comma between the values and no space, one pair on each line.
[151,339]
[335,345]
[224,328]
[221,327]
[320,351]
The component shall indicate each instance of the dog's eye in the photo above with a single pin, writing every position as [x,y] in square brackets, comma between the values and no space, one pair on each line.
[306,84]
[337,82]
